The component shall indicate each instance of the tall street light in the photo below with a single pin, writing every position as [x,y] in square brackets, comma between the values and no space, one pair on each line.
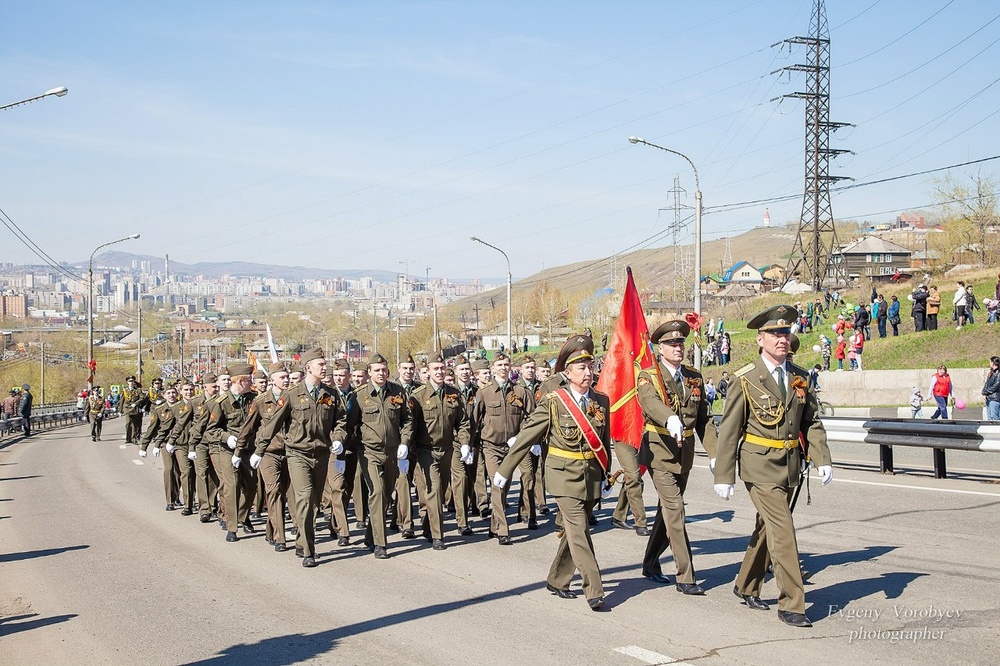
[480,240]
[697,234]
[58,92]
[91,364]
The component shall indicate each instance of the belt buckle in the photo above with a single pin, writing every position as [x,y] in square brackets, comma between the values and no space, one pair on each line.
[587,455]
[789,444]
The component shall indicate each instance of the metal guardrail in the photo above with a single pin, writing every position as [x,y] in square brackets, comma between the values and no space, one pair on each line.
[935,435]
[67,415]
[52,408]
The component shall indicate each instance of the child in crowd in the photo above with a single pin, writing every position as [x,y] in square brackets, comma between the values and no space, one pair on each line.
[916,404]
[840,354]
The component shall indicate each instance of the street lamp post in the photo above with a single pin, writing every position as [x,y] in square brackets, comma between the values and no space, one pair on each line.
[697,234]
[479,240]
[58,92]
[90,307]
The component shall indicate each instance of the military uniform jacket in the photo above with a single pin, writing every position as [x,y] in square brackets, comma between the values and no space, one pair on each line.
[262,410]
[349,403]
[161,420]
[226,415]
[439,418]
[468,393]
[200,408]
[131,402]
[310,424]
[95,405]
[550,422]
[151,398]
[501,411]
[180,433]
[660,401]
[556,381]
[385,422]
[754,408]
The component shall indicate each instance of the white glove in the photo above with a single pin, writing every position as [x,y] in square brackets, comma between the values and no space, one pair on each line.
[192,455]
[340,466]
[711,464]
[231,442]
[725,490]
[402,451]
[510,442]
[337,447]
[674,426]
[468,460]
[404,466]
[170,448]
[142,454]
[465,451]
[236,462]
[156,452]
[499,481]
[608,493]
[255,460]
[826,473]
[536,450]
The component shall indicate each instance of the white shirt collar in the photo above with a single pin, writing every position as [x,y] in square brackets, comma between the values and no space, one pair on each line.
[671,368]
[770,366]
[576,396]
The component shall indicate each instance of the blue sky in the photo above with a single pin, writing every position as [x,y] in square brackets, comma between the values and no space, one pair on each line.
[367,134]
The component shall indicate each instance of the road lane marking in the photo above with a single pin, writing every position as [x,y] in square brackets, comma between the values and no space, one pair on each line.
[908,487]
[138,462]
[648,656]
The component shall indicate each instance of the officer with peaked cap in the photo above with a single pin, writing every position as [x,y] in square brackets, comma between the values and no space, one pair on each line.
[768,410]
[206,478]
[573,423]
[481,377]
[130,405]
[672,398]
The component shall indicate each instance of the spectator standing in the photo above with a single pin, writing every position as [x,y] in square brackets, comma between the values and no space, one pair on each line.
[840,354]
[941,390]
[880,311]
[25,409]
[894,319]
[725,347]
[710,393]
[970,304]
[916,404]
[919,309]
[991,390]
[723,386]
[826,350]
[959,302]
[933,308]
[991,309]
[859,348]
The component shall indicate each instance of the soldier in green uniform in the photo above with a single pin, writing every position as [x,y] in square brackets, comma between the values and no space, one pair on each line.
[768,406]
[268,460]
[359,378]
[227,414]
[401,511]
[482,376]
[130,405]
[206,479]
[439,422]
[178,446]
[95,413]
[385,443]
[573,423]
[530,495]
[463,456]
[154,395]
[314,425]
[675,408]
[161,420]
[501,408]
[344,467]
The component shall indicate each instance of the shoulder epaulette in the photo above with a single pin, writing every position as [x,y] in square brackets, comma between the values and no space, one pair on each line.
[744,370]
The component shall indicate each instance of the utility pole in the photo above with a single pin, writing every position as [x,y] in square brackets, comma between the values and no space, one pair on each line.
[41,396]
[681,278]
[816,241]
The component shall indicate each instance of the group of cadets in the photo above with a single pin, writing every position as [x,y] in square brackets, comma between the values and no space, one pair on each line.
[311,440]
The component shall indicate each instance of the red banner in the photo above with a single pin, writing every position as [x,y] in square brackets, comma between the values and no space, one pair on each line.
[628,354]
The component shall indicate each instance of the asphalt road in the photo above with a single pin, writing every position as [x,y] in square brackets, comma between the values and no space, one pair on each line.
[903,570]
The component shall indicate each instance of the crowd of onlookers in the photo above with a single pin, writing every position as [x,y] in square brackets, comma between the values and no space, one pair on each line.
[16,410]
[927,302]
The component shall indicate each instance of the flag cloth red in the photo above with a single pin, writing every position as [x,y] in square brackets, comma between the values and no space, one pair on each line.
[628,354]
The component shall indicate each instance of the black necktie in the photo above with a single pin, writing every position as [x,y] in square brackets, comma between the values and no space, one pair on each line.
[781,382]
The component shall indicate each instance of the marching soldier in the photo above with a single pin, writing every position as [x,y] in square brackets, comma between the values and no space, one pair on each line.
[154,395]
[344,467]
[359,378]
[385,437]
[130,405]
[178,445]
[481,493]
[672,398]
[268,460]
[161,420]
[439,421]
[314,424]
[227,414]
[530,495]
[401,513]
[768,407]
[501,408]
[95,410]
[573,422]
[463,459]
[206,478]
